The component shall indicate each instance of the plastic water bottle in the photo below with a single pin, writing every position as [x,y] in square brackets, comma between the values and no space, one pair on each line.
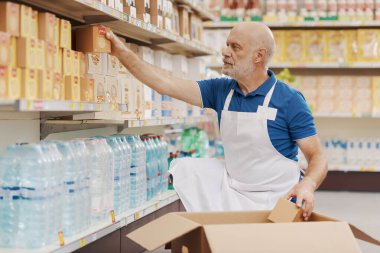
[142,171]
[149,172]
[155,166]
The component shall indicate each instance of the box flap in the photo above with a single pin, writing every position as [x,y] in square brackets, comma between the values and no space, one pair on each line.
[286,211]
[227,217]
[162,230]
[363,236]
[300,237]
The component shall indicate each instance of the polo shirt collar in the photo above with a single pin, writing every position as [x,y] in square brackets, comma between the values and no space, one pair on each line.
[262,89]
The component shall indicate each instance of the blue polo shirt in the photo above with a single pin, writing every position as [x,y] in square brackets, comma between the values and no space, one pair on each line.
[293,121]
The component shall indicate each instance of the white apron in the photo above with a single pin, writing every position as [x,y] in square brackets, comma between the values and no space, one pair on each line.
[254,175]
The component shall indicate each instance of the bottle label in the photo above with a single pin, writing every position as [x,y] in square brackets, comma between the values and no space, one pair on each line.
[61,239]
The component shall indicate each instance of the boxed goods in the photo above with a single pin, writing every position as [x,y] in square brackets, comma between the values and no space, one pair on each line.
[352,45]
[10,20]
[156,13]
[34,25]
[376,95]
[92,39]
[67,62]
[126,94]
[183,12]
[5,49]
[113,90]
[40,54]
[25,21]
[10,82]
[58,92]
[113,65]
[337,46]
[56,32]
[294,46]
[143,10]
[315,46]
[100,87]
[72,88]
[368,45]
[46,23]
[87,89]
[64,34]
[75,58]
[29,84]
[362,96]
[49,56]
[13,52]
[96,63]
[58,58]
[45,81]
[130,8]
[27,52]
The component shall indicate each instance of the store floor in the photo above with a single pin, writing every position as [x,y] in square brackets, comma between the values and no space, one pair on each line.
[360,209]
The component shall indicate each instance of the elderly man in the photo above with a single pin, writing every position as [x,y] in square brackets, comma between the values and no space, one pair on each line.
[262,121]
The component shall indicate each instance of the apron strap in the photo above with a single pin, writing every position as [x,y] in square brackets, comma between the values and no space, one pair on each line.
[269,95]
[228,100]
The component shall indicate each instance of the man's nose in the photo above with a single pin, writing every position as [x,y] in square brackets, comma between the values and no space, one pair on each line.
[226,52]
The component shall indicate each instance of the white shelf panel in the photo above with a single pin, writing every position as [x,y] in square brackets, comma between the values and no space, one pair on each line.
[100,230]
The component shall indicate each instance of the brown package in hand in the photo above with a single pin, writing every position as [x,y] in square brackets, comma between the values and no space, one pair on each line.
[92,39]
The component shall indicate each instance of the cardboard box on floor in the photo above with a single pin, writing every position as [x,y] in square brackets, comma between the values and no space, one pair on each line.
[250,231]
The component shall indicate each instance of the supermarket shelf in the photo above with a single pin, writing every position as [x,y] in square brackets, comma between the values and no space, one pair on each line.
[351,181]
[98,231]
[353,168]
[303,24]
[92,11]
[206,16]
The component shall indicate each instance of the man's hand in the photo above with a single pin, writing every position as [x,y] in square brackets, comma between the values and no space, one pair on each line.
[304,191]
[117,47]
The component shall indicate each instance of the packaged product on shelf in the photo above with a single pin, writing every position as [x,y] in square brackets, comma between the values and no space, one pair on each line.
[240,8]
[253,10]
[49,56]
[292,8]
[10,82]
[181,70]
[119,5]
[332,10]
[46,22]
[26,52]
[29,84]
[25,21]
[41,55]
[192,25]
[5,49]
[56,31]
[376,96]
[139,99]
[321,9]
[100,87]
[337,45]
[95,63]
[112,90]
[308,87]
[156,10]
[130,8]
[199,29]
[294,46]
[46,81]
[183,12]
[34,25]
[67,62]
[58,58]
[315,44]
[72,88]
[92,39]
[279,37]
[326,94]
[10,18]
[58,87]
[368,45]
[172,19]
[75,61]
[65,34]
[113,66]
[111,3]
[362,96]
[82,64]
[147,55]
[127,95]
[344,95]
[86,89]
[13,52]
[352,45]
[143,10]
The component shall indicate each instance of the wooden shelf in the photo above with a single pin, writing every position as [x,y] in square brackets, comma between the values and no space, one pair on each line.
[206,16]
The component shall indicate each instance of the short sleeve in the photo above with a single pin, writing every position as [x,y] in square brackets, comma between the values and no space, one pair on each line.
[209,92]
[299,117]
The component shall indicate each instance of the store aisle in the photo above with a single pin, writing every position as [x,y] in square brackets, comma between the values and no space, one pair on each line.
[360,209]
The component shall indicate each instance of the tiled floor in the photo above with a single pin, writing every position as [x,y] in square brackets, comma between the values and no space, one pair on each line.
[360,209]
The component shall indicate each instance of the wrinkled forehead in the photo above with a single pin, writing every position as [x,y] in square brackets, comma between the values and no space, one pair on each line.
[242,37]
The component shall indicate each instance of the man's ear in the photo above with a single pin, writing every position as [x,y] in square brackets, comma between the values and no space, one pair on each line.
[260,55]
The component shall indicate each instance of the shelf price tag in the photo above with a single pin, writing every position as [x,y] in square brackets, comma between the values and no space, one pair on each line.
[28,104]
[82,242]
[155,206]
[112,212]
[99,107]
[81,106]
[61,239]
[72,106]
[137,215]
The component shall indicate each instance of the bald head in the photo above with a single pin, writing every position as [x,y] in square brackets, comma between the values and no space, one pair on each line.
[256,34]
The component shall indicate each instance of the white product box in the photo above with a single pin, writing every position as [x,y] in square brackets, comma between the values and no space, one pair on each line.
[113,91]
[100,87]
[96,63]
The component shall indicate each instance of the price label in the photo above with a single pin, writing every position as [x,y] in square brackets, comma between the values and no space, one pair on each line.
[72,106]
[155,206]
[81,106]
[137,215]
[112,216]
[61,239]
[28,104]
[82,242]
[99,107]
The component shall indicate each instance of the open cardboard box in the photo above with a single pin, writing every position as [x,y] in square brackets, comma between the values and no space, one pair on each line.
[251,231]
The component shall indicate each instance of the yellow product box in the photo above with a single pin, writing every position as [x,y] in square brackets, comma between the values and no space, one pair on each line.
[34,25]
[352,45]
[67,62]
[10,82]
[29,84]
[184,25]
[93,39]
[279,38]
[326,87]
[112,89]
[345,88]
[58,87]
[41,54]
[75,58]
[46,82]
[87,89]
[368,45]
[100,87]
[294,46]
[82,64]
[13,51]
[58,53]
[25,21]
[56,31]
[64,34]
[49,56]
[5,49]
[363,87]
[46,23]
[27,53]
[336,46]
[315,45]
[72,88]
[10,18]
[96,63]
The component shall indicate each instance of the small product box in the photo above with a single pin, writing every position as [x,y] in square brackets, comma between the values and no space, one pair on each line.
[65,34]
[5,49]
[92,39]
[58,58]
[113,65]
[184,21]
[67,62]
[34,25]
[10,82]
[46,81]
[368,46]
[119,5]
[279,37]
[49,56]
[75,57]
[112,90]
[41,55]
[130,8]
[26,52]
[100,87]
[72,88]
[96,63]
[336,49]
[13,52]
[294,46]
[87,89]
[315,42]
[143,10]
[29,84]
[56,31]
[46,23]
[126,96]
[82,64]
[25,21]
[58,87]
[156,13]
[10,20]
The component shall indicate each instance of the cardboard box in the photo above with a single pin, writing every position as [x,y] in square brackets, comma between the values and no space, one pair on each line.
[172,20]
[65,34]
[82,64]
[294,46]
[156,13]
[100,87]
[130,8]
[87,89]
[10,82]
[41,55]
[46,29]
[249,231]
[183,12]
[46,82]
[49,56]
[368,47]
[56,31]
[72,88]
[125,86]
[315,45]
[75,57]
[95,63]
[143,10]
[58,87]
[92,39]
[336,49]
[25,21]
[58,58]
[67,62]
[193,25]
[26,52]
[5,49]
[34,25]
[113,91]
[10,20]
[29,84]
